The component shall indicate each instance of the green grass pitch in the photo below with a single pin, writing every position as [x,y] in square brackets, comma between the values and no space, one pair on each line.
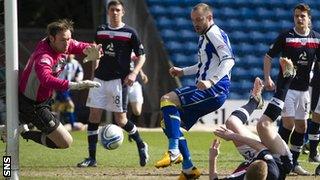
[38,162]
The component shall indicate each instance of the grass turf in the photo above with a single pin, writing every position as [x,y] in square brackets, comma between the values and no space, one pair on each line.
[38,162]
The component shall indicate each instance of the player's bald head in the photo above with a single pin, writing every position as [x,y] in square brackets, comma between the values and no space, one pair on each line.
[202,8]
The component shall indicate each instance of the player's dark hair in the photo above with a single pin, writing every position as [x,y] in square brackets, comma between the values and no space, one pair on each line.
[303,7]
[58,26]
[258,170]
[114,3]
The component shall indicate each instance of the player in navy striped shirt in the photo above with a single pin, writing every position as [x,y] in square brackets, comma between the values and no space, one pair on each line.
[299,44]
[113,72]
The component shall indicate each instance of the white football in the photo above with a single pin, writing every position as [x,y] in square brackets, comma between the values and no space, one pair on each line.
[111,136]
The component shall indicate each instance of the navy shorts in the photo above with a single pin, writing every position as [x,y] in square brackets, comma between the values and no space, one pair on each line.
[196,103]
[63,96]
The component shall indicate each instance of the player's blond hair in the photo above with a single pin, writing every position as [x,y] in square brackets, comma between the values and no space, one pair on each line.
[258,170]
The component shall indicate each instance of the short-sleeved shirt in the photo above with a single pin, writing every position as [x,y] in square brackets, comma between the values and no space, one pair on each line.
[117,45]
[302,50]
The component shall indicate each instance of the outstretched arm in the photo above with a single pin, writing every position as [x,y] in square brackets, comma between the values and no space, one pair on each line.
[228,135]
[213,156]
[268,82]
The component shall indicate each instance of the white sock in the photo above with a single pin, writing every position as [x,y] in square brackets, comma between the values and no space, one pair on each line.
[188,171]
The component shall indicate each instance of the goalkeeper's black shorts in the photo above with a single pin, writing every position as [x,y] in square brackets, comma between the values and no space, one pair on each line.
[38,114]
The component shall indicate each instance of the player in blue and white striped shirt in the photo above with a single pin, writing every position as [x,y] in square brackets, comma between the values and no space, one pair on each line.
[185,105]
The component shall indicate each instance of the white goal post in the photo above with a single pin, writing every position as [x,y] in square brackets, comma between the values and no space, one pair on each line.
[11,53]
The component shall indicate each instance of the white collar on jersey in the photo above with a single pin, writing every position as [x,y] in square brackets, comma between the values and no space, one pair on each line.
[121,26]
[305,34]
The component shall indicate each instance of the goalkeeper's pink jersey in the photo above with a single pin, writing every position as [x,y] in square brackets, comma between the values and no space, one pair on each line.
[39,77]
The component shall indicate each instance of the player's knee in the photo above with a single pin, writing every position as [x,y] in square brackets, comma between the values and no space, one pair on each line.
[121,119]
[70,108]
[166,102]
[315,117]
[301,127]
[263,124]
[229,123]
[66,143]
[136,111]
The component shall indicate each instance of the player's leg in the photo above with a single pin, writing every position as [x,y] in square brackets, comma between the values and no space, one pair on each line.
[288,114]
[97,101]
[316,117]
[119,107]
[240,116]
[69,112]
[265,127]
[61,137]
[313,126]
[41,117]
[92,137]
[136,101]
[188,169]
[128,126]
[166,160]
[171,118]
[136,109]
[195,104]
[297,137]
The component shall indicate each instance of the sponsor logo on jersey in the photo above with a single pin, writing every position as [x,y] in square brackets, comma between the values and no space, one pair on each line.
[110,50]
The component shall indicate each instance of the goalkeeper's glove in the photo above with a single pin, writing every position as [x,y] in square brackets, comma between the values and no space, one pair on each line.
[83,85]
[93,53]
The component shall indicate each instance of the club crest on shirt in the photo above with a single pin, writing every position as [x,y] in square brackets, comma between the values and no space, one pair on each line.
[60,65]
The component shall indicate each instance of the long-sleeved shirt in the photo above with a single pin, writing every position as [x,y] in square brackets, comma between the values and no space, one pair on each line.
[215,57]
[39,77]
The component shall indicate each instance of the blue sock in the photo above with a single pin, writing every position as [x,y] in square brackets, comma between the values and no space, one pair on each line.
[183,147]
[71,117]
[173,143]
[171,118]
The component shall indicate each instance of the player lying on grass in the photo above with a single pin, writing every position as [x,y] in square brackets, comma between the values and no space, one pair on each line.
[272,158]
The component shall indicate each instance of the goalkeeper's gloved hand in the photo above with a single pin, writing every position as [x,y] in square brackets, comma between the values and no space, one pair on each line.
[93,53]
[86,84]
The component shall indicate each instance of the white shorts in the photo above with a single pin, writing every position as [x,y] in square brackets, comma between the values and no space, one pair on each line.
[110,96]
[296,104]
[135,93]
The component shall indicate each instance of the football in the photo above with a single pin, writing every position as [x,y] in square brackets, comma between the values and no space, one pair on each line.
[111,136]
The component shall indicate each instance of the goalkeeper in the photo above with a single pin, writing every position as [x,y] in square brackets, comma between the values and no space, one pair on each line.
[39,80]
